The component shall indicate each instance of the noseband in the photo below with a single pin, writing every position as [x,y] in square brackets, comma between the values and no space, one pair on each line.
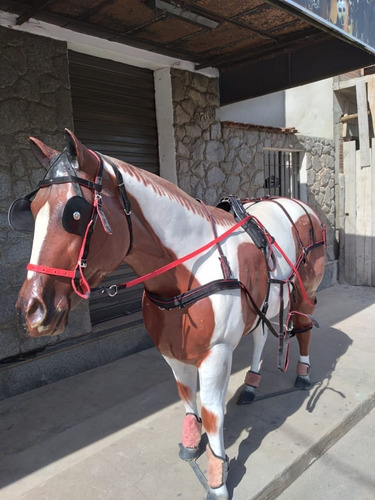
[79,216]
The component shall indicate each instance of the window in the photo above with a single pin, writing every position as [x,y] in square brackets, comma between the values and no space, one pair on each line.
[281,172]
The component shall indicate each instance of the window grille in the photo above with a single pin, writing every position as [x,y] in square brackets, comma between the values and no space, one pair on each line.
[281,172]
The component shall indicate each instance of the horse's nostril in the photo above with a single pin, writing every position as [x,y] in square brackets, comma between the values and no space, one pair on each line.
[36,312]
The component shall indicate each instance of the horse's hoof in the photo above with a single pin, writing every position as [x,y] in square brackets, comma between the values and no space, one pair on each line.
[220,493]
[247,396]
[303,383]
[188,454]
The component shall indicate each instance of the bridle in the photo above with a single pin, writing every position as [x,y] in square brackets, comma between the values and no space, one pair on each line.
[79,215]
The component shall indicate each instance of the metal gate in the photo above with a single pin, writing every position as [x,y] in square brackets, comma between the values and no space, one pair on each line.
[281,172]
[114,113]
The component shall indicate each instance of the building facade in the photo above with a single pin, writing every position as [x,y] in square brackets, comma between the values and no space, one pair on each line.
[189,142]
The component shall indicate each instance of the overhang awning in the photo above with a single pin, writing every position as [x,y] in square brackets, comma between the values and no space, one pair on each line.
[258,46]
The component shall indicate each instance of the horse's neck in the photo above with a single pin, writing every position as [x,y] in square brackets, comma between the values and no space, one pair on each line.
[167,222]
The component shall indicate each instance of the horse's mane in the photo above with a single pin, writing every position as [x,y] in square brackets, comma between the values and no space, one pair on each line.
[162,187]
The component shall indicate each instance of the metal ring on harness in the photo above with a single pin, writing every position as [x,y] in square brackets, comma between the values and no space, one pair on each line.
[110,293]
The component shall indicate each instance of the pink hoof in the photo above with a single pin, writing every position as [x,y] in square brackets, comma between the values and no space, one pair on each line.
[191,431]
[217,470]
[191,437]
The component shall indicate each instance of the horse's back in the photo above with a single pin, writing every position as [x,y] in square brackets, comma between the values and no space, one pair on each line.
[273,211]
[292,224]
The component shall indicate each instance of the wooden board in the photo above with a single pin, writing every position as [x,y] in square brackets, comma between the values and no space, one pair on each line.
[363,224]
[372,201]
[371,100]
[363,124]
[350,271]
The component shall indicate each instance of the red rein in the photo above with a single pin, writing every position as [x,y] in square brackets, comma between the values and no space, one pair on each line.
[85,286]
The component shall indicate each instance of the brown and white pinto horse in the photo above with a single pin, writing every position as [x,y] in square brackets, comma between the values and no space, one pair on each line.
[165,224]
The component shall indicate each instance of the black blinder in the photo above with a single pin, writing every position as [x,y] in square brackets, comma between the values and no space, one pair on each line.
[77,215]
[20,216]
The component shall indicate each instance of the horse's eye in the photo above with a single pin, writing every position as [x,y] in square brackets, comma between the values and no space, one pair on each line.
[76,215]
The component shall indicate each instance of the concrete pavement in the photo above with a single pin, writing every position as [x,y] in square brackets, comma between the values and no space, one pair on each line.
[112,432]
[347,470]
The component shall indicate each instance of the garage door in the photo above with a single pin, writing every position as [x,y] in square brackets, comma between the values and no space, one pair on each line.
[114,113]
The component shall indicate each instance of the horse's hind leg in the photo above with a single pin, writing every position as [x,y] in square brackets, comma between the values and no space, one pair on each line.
[214,375]
[186,379]
[302,326]
[252,378]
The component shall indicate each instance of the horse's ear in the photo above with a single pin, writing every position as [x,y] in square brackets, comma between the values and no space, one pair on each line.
[42,152]
[80,155]
[73,146]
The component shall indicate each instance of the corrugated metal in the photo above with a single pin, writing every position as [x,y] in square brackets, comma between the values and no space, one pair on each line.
[114,109]
[103,308]
[114,113]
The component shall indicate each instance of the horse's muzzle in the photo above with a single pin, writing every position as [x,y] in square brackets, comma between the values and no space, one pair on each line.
[36,319]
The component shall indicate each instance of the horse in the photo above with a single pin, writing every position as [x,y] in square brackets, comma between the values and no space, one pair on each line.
[210,277]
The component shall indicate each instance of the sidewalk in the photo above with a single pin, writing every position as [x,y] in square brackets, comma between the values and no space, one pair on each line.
[347,470]
[112,433]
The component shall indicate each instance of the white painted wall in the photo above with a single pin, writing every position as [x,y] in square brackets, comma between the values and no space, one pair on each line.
[267,110]
[308,108]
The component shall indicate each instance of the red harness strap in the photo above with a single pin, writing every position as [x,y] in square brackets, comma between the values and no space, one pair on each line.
[50,270]
[175,263]
[75,275]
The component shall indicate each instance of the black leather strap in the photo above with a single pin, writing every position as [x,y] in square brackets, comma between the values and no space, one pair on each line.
[124,196]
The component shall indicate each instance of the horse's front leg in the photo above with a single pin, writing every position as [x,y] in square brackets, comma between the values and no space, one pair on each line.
[252,378]
[186,379]
[214,375]
[303,366]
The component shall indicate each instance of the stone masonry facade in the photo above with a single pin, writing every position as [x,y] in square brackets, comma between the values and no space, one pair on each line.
[215,159]
[34,101]
[212,158]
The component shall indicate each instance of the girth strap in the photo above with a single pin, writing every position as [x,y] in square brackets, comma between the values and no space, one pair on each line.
[187,298]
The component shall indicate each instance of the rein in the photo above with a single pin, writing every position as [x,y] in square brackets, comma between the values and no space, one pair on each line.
[113,289]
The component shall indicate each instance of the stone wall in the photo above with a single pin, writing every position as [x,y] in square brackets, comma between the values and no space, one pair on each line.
[319,166]
[215,159]
[199,145]
[34,101]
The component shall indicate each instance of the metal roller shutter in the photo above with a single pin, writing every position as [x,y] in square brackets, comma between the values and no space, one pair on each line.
[114,113]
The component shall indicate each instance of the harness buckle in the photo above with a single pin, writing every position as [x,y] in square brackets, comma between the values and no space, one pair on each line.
[83,263]
[109,290]
[128,212]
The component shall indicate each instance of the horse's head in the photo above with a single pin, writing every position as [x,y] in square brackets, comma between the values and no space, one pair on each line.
[71,214]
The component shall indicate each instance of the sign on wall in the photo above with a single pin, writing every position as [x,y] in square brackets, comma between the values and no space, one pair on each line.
[355,19]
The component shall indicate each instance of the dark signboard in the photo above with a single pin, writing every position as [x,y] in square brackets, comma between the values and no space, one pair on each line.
[355,19]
